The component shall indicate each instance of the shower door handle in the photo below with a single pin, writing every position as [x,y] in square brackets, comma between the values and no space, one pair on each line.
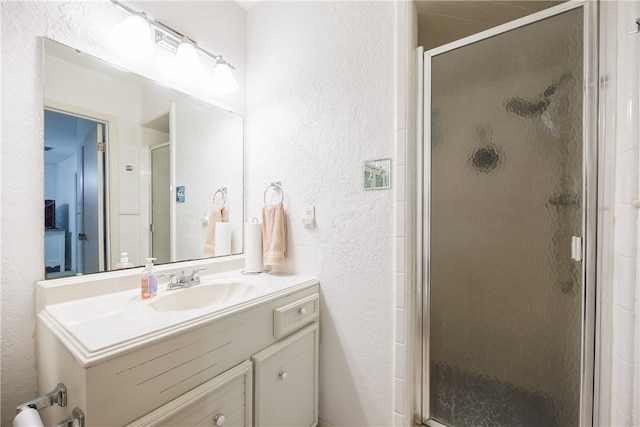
[576,248]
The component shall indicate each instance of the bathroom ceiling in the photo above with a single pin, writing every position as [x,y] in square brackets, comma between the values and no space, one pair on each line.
[441,22]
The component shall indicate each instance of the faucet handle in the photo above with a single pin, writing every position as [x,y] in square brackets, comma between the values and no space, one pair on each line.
[183,278]
[173,279]
[194,274]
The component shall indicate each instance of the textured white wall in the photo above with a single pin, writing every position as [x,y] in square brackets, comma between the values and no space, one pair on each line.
[86,26]
[320,102]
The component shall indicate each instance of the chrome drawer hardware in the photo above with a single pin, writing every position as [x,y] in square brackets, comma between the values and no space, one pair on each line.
[219,420]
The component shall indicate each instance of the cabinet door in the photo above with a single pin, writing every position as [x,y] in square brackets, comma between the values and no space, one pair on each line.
[225,400]
[286,381]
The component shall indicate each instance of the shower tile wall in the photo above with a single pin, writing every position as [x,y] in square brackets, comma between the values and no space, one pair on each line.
[404,217]
[624,293]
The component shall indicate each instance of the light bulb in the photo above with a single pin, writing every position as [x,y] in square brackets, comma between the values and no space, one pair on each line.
[187,61]
[133,37]
[223,80]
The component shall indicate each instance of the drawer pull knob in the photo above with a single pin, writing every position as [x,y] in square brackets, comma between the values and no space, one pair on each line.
[283,375]
[302,311]
[219,420]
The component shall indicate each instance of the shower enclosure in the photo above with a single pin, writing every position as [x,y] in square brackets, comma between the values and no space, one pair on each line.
[507,320]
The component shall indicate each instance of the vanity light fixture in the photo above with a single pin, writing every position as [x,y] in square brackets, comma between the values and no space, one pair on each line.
[133,36]
[187,60]
[186,50]
[223,80]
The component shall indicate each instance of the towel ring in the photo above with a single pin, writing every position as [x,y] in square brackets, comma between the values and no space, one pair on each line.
[223,191]
[276,186]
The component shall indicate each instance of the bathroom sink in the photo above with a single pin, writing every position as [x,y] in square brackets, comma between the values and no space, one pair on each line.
[210,294]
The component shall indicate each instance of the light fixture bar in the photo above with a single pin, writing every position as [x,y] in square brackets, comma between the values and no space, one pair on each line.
[168,38]
[166,41]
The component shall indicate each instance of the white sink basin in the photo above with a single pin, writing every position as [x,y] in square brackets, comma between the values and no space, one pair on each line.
[211,294]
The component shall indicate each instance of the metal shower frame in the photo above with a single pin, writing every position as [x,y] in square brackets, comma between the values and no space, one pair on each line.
[589,386]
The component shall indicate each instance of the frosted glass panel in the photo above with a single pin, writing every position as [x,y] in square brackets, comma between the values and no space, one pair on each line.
[506,190]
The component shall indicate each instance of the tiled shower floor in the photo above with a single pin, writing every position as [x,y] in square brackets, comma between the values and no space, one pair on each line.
[460,398]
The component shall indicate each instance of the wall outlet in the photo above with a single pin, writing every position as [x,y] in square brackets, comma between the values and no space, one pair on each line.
[309,217]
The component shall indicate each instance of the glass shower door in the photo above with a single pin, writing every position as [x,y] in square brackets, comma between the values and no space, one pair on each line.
[505,191]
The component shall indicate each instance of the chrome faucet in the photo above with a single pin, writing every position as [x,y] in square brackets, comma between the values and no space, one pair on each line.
[183,281]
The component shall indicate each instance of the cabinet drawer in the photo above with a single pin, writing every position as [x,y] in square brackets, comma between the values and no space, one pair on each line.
[294,316]
[225,400]
[286,381]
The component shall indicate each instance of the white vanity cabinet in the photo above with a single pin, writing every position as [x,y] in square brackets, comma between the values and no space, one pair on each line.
[216,369]
[286,381]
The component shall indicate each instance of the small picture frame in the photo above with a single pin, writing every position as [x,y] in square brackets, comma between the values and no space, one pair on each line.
[180,194]
[377,174]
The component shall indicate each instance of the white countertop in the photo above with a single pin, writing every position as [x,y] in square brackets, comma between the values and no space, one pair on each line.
[100,326]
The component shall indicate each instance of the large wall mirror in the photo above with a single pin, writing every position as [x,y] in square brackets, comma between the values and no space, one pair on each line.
[133,166]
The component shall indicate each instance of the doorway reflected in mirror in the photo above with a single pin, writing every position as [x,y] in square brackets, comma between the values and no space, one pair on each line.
[74,165]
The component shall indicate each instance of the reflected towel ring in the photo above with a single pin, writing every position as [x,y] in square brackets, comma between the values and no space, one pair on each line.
[276,186]
[223,191]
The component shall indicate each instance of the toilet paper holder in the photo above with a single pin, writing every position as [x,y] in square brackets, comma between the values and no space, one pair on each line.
[58,396]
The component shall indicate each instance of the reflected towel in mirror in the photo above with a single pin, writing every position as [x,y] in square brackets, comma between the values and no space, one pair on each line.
[217,214]
[274,234]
